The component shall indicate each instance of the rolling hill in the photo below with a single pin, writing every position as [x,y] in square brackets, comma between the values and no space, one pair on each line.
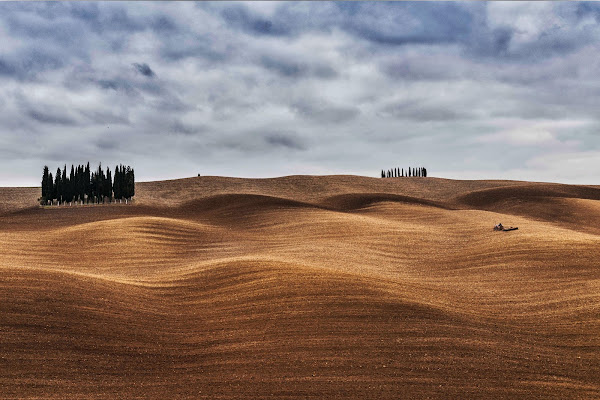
[303,287]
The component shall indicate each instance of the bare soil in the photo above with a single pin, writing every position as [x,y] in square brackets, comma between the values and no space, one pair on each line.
[303,287]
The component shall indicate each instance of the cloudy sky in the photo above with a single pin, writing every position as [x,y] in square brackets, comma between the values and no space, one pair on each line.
[469,90]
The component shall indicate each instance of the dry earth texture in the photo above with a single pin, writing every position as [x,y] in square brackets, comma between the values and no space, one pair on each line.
[303,287]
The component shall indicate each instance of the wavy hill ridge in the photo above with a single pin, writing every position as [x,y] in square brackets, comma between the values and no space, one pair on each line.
[304,287]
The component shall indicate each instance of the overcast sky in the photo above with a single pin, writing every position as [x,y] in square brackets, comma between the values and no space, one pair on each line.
[469,90]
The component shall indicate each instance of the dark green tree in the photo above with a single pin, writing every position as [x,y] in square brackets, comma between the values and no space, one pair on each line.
[130,182]
[87,182]
[50,188]
[81,183]
[45,183]
[108,187]
[57,186]
[64,190]
[117,184]
[100,184]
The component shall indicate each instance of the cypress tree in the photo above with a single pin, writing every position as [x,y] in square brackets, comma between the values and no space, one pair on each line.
[50,187]
[93,184]
[57,186]
[45,182]
[123,183]
[100,184]
[81,183]
[109,186]
[72,185]
[77,185]
[64,185]
[87,182]
[132,182]
[129,182]
[116,187]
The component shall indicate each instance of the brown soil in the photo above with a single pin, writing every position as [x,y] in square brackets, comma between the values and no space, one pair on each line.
[303,287]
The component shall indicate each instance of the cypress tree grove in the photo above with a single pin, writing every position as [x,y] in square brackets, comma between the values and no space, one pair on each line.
[81,186]
[390,173]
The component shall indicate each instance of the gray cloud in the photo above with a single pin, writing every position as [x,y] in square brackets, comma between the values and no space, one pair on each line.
[319,111]
[240,17]
[144,69]
[423,112]
[312,87]
[285,140]
[50,118]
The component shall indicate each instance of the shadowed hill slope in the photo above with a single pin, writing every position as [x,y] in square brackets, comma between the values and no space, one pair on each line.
[304,287]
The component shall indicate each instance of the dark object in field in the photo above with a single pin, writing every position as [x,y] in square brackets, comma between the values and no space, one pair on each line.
[500,227]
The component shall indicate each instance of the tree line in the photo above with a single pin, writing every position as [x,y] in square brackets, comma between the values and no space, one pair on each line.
[400,173]
[85,187]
